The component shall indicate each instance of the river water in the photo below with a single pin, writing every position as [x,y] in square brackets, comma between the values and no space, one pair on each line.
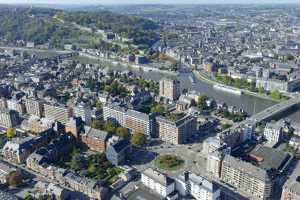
[250,104]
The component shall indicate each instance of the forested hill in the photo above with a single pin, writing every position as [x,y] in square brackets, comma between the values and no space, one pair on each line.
[43,25]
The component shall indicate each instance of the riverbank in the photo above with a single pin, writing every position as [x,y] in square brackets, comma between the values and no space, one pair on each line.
[209,81]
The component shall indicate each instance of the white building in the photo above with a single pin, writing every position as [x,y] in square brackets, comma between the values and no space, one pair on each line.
[114,113]
[273,133]
[197,186]
[213,164]
[158,182]
[84,112]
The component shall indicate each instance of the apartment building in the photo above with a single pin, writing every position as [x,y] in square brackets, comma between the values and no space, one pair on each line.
[34,107]
[247,178]
[169,89]
[17,105]
[114,113]
[158,182]
[291,188]
[178,131]
[196,186]
[139,122]
[273,132]
[58,113]
[8,118]
[84,112]
[95,139]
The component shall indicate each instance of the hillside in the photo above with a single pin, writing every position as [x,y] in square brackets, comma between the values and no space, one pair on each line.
[42,25]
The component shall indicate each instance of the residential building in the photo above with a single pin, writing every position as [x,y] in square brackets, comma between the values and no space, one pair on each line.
[169,89]
[139,122]
[117,150]
[18,149]
[295,143]
[9,118]
[214,163]
[291,188]
[58,113]
[85,112]
[5,170]
[34,107]
[247,178]
[198,187]
[95,139]
[17,105]
[273,132]
[114,113]
[158,182]
[176,132]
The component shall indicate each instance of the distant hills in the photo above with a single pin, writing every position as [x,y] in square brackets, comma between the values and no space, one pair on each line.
[56,26]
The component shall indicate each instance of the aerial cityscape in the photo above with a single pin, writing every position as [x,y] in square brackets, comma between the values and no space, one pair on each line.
[149,101]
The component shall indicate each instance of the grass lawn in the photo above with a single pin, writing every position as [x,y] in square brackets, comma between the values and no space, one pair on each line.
[168,162]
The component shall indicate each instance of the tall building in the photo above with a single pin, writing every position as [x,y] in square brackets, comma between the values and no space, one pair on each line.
[247,178]
[176,132]
[8,118]
[198,187]
[291,188]
[58,113]
[114,113]
[139,122]
[273,132]
[17,105]
[169,89]
[85,112]
[34,107]
[214,163]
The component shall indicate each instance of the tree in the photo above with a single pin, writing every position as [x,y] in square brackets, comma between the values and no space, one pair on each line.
[202,102]
[123,132]
[138,139]
[99,105]
[275,94]
[158,109]
[110,127]
[97,124]
[15,179]
[10,133]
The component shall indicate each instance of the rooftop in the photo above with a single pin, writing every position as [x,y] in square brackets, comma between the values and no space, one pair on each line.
[158,176]
[269,158]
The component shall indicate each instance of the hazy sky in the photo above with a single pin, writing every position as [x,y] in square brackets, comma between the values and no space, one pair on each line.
[142,1]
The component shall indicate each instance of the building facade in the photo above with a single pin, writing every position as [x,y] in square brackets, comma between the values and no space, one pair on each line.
[158,182]
[246,177]
[169,89]
[176,132]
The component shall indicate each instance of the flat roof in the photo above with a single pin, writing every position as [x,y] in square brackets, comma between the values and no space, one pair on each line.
[143,194]
[271,158]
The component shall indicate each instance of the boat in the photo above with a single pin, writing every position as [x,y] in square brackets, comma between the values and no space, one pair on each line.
[228,89]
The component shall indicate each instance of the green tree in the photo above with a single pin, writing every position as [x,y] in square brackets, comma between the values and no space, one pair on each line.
[15,179]
[99,105]
[110,127]
[98,124]
[275,94]
[138,139]
[158,109]
[202,102]
[123,132]
[10,133]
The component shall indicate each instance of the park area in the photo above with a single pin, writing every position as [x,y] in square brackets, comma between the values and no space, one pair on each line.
[168,162]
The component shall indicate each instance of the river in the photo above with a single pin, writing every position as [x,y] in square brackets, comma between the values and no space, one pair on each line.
[249,103]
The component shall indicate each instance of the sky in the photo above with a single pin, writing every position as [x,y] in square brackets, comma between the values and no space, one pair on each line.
[144,1]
